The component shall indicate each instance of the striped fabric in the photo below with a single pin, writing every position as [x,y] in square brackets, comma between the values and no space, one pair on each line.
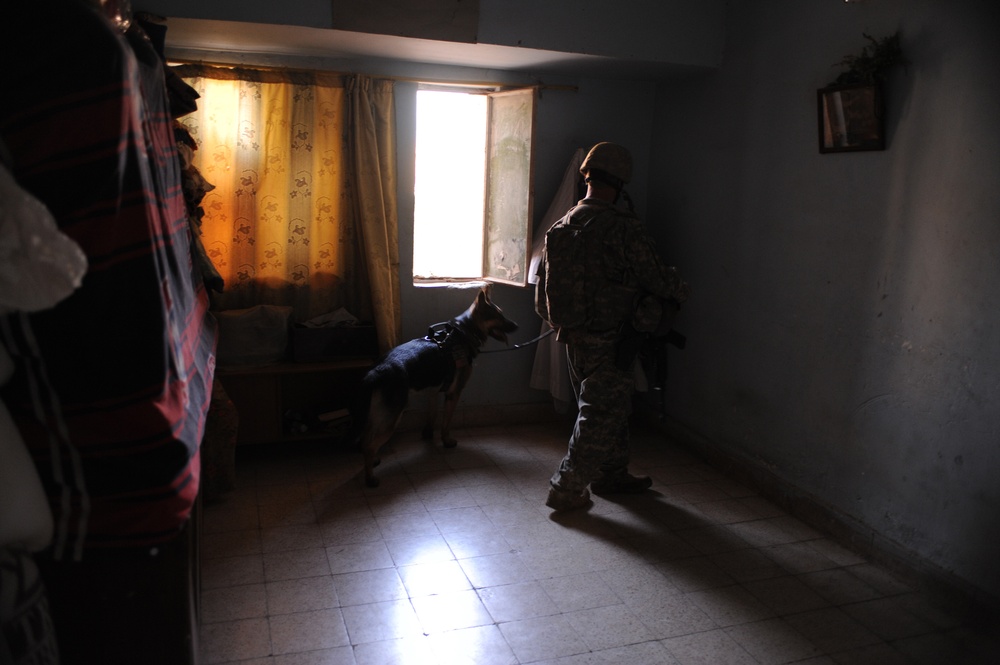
[113,384]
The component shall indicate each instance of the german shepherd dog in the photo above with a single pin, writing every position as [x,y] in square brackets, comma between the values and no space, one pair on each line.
[441,359]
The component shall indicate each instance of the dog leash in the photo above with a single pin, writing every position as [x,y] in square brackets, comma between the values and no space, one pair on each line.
[523,344]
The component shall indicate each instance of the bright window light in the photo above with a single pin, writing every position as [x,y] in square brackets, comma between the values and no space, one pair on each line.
[449,185]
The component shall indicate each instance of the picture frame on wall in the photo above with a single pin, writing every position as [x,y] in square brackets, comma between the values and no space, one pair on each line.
[851,118]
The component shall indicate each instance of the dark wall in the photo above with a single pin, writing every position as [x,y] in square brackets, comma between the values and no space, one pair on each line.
[843,332]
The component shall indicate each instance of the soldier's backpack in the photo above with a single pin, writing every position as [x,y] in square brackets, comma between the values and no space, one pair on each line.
[569,277]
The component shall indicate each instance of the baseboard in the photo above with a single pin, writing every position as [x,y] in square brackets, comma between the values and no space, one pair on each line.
[947,589]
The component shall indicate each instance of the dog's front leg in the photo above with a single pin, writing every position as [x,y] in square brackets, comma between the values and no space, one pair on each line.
[450,402]
[427,433]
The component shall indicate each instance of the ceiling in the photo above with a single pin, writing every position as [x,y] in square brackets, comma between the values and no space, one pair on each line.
[234,42]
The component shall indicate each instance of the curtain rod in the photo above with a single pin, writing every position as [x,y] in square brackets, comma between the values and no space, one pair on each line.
[400,79]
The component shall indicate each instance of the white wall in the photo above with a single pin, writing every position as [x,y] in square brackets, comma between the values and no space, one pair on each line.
[844,332]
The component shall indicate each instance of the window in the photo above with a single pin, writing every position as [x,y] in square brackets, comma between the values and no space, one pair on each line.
[473,187]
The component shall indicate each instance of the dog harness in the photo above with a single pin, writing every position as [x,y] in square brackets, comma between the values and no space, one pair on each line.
[455,343]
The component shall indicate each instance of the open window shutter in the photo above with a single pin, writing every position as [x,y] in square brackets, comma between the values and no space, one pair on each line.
[509,186]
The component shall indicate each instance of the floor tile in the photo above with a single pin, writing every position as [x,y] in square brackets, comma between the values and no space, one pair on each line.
[350,531]
[301,595]
[888,619]
[407,525]
[307,631]
[713,539]
[288,512]
[482,645]
[234,640]
[232,571]
[747,565]
[772,642]
[419,549]
[353,557]
[727,510]
[799,557]
[232,603]
[283,539]
[873,654]
[495,569]
[645,653]
[229,517]
[461,519]
[940,648]
[425,579]
[447,497]
[369,586]
[839,586]
[228,544]
[513,602]
[405,651]
[786,595]
[579,592]
[609,626]
[712,647]
[879,579]
[336,656]
[466,544]
[542,637]
[296,564]
[730,606]
[696,574]
[454,559]
[639,584]
[451,611]
[672,616]
[387,620]
[832,630]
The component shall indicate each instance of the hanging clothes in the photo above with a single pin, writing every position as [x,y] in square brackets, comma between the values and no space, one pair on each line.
[550,370]
[111,385]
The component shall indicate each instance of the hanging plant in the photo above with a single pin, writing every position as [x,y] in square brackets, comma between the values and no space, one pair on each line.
[872,65]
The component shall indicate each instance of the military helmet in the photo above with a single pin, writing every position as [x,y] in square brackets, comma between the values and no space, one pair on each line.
[611,158]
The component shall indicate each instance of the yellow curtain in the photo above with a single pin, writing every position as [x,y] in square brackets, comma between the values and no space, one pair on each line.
[373,142]
[283,225]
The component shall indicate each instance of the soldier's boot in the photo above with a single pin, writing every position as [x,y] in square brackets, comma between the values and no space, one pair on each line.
[561,500]
[621,483]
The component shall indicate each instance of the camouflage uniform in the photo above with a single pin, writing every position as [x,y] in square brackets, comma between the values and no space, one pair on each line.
[599,445]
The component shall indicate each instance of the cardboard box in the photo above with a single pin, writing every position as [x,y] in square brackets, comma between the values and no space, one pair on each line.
[332,343]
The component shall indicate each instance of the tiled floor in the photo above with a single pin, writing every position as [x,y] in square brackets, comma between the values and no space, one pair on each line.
[455,559]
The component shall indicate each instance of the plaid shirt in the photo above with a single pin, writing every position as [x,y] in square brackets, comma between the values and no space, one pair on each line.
[113,384]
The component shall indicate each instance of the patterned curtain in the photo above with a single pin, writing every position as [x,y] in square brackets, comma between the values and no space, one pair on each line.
[371,128]
[282,224]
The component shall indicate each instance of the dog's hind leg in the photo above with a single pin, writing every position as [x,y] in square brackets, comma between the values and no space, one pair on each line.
[381,423]
[371,445]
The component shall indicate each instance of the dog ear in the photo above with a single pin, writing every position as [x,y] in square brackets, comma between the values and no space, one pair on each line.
[487,290]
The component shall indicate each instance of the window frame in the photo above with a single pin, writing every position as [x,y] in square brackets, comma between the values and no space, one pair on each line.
[501,237]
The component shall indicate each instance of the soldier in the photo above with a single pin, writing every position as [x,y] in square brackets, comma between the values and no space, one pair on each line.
[600,277]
